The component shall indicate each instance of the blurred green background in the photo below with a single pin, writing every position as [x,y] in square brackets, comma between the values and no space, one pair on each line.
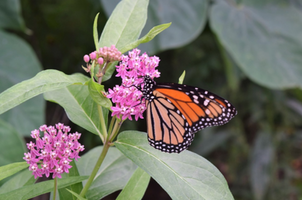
[249,52]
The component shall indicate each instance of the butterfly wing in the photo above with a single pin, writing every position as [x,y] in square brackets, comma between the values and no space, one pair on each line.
[178,111]
[166,126]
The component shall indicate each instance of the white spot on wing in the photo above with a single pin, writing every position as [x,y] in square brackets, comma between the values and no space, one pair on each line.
[206,102]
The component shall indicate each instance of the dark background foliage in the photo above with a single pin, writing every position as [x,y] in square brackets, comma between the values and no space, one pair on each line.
[259,151]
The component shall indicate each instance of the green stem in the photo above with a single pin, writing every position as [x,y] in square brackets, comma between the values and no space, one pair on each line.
[96,168]
[92,70]
[102,71]
[103,124]
[55,188]
[112,122]
[116,128]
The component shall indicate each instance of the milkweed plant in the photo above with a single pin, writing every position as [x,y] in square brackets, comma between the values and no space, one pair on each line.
[125,161]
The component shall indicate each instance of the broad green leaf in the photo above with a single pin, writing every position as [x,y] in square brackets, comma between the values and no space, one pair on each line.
[18,62]
[79,106]
[34,190]
[44,81]
[19,180]
[263,38]
[27,116]
[261,162]
[148,37]
[76,188]
[96,94]
[8,170]
[113,174]
[10,140]
[125,23]
[10,15]
[123,27]
[188,19]
[182,176]
[136,186]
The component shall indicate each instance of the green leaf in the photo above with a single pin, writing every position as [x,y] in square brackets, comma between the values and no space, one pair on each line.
[123,27]
[188,20]
[19,180]
[136,186]
[18,63]
[182,77]
[148,37]
[113,174]
[125,23]
[261,163]
[8,170]
[259,37]
[79,106]
[96,94]
[12,139]
[95,32]
[75,188]
[34,190]
[182,176]
[10,15]
[44,81]
[76,195]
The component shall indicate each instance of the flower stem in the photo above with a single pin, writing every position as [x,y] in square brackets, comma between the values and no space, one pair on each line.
[102,71]
[96,168]
[103,124]
[55,188]
[112,122]
[116,128]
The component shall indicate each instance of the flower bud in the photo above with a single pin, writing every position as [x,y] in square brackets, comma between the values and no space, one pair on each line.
[86,58]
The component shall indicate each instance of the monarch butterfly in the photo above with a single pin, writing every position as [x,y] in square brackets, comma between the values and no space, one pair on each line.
[176,112]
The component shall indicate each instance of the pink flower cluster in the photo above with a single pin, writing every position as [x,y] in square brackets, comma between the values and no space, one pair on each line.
[107,54]
[132,69]
[53,151]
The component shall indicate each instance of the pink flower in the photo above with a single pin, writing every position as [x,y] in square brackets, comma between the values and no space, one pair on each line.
[109,53]
[45,169]
[65,164]
[57,172]
[93,55]
[127,97]
[86,58]
[100,60]
[103,55]
[36,171]
[54,150]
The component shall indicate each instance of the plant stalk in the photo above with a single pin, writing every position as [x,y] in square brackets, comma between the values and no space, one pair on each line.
[96,168]
[55,188]
[103,124]
[116,128]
